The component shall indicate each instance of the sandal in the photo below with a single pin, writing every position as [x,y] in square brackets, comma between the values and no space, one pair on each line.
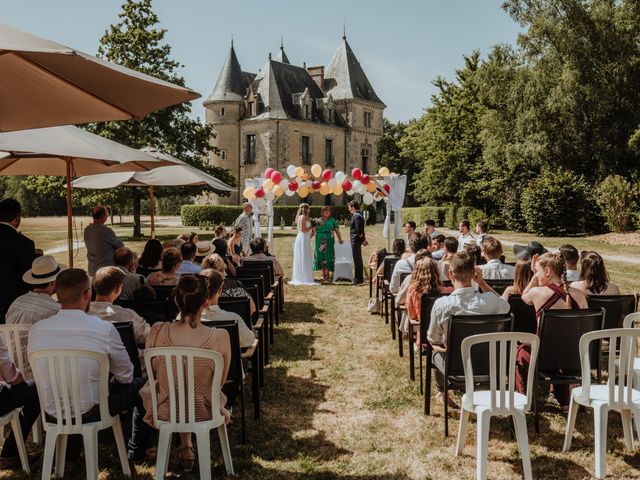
[187,461]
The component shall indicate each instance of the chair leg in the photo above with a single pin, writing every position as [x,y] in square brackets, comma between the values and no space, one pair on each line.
[520,421]
[226,449]
[47,457]
[242,415]
[462,431]
[412,360]
[90,440]
[627,428]
[421,373]
[261,356]
[162,455]
[61,452]
[446,409]
[204,453]
[482,447]
[571,423]
[22,451]
[392,307]
[37,431]
[600,414]
[122,449]
[255,386]
[636,421]
[427,384]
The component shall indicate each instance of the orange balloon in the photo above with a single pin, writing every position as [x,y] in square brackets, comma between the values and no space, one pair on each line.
[371,187]
[305,176]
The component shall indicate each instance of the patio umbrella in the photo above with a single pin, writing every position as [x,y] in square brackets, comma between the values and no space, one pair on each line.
[68,152]
[43,83]
[181,174]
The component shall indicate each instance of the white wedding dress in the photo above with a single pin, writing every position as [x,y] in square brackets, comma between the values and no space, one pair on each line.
[302,257]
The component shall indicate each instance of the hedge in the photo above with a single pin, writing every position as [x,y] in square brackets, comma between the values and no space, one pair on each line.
[210,215]
[420,214]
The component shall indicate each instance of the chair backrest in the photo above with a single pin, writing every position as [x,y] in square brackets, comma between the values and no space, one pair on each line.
[403,276]
[252,290]
[463,326]
[426,305]
[65,368]
[343,253]
[256,282]
[502,349]
[145,272]
[620,380]
[261,265]
[380,258]
[152,312]
[261,273]
[560,333]
[127,334]
[616,308]
[524,316]
[15,338]
[164,292]
[234,376]
[179,363]
[630,320]
[499,285]
[239,305]
[389,264]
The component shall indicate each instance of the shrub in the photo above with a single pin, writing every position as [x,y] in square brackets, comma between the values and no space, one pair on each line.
[511,211]
[617,200]
[555,203]
[420,214]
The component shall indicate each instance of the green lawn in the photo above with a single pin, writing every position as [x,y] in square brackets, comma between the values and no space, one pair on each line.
[338,404]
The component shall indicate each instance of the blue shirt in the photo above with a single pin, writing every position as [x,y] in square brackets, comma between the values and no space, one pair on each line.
[188,267]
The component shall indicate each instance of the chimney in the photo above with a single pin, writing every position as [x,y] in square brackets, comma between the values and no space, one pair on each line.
[317,73]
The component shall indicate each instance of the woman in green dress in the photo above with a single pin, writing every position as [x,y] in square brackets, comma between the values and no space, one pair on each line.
[325,254]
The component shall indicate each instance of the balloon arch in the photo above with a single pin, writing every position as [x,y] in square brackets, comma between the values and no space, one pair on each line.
[385,186]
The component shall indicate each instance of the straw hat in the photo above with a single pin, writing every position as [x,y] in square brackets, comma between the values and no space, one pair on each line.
[204,248]
[44,269]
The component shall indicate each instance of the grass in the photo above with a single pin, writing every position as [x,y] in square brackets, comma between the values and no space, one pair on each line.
[338,404]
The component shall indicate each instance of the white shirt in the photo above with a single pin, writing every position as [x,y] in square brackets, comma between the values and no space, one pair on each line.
[480,238]
[494,269]
[188,267]
[573,276]
[31,307]
[215,314]
[74,329]
[463,240]
[116,313]
[462,301]
[404,265]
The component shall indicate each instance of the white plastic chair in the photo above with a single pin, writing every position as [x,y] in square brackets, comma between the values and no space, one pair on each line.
[182,412]
[13,417]
[501,399]
[15,338]
[63,386]
[629,322]
[618,394]
[343,263]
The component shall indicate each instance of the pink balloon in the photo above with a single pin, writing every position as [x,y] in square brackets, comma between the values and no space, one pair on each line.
[276,177]
[259,193]
[346,185]
[315,185]
[268,172]
[326,174]
[356,173]
[293,186]
[364,179]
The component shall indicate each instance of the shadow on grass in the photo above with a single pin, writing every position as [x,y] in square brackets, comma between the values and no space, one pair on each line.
[302,312]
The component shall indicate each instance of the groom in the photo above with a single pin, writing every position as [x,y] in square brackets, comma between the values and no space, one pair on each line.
[357,240]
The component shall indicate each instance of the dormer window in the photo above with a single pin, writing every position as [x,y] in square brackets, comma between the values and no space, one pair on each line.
[329,110]
[305,104]
[251,103]
[251,108]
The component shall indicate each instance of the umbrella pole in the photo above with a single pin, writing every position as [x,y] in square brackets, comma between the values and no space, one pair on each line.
[69,215]
[152,208]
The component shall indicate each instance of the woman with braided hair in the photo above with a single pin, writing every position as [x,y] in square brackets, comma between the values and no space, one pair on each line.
[548,289]
[594,278]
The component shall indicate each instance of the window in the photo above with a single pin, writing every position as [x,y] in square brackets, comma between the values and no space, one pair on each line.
[223,154]
[331,115]
[307,111]
[222,112]
[328,152]
[306,152]
[252,109]
[365,160]
[368,119]
[250,149]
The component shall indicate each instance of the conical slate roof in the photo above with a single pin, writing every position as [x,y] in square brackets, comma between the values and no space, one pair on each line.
[231,84]
[281,56]
[345,79]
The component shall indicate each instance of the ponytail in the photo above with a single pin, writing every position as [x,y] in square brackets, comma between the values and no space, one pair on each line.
[190,296]
[557,265]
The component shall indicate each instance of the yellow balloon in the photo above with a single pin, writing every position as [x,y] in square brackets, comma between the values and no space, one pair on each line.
[324,188]
[383,171]
[371,187]
[316,170]
[303,191]
[337,190]
[299,171]
[267,185]
[278,191]
[249,193]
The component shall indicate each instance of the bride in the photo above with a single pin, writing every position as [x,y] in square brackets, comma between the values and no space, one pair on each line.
[302,250]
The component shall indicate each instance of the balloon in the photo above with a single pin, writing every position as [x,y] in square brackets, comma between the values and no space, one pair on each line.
[365,179]
[291,170]
[324,188]
[356,173]
[270,196]
[305,177]
[371,187]
[316,170]
[386,188]
[299,172]
[293,186]
[276,177]
[284,183]
[383,172]
[326,174]
[303,192]
[350,192]
[337,189]
[289,193]
[260,193]
[267,185]
[299,180]
[367,198]
[268,172]
[315,185]
[356,186]
[347,185]
[278,191]
[340,176]
[249,193]
[332,183]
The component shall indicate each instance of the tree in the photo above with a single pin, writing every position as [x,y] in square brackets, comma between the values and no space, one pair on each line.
[136,42]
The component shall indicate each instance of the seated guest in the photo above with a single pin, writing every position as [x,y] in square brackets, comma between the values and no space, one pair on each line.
[230,286]
[170,244]
[481,232]
[594,278]
[522,276]
[474,250]
[203,249]
[150,258]
[437,248]
[418,241]
[16,392]
[125,261]
[193,238]
[424,279]
[145,293]
[494,269]
[73,328]
[234,244]
[214,313]
[465,234]
[171,260]
[258,247]
[450,249]
[220,247]
[188,265]
[401,296]
[527,252]
[397,250]
[430,229]
[108,284]
[464,300]
[181,240]
[571,257]
[547,290]
[187,331]
[409,229]
[220,232]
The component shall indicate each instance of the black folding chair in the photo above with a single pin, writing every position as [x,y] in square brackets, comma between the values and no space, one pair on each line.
[145,272]
[426,304]
[125,329]
[275,284]
[559,353]
[389,265]
[258,324]
[499,286]
[152,312]
[165,292]
[373,274]
[524,316]
[264,308]
[263,272]
[396,315]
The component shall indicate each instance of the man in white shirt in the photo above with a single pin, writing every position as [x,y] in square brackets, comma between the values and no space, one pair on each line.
[571,257]
[108,284]
[465,235]
[418,241]
[494,269]
[245,220]
[72,328]
[437,250]
[188,266]
[409,230]
[481,233]
[125,260]
[430,229]
[464,300]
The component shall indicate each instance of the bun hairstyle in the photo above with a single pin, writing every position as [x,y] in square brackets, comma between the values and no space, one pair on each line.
[555,262]
[593,272]
[303,209]
[190,296]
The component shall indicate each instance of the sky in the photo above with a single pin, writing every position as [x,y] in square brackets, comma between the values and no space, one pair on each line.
[402,44]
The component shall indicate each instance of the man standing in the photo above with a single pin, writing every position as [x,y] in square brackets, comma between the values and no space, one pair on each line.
[357,240]
[101,241]
[15,257]
[245,221]
[465,235]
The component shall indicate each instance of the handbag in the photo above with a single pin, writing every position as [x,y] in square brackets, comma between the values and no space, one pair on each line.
[374,305]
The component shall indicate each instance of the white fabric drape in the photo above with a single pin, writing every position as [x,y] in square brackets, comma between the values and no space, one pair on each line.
[397,188]
[256,203]
[270,216]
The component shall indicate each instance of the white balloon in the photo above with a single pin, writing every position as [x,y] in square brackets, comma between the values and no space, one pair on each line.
[270,196]
[298,180]
[332,183]
[284,183]
[340,176]
[356,185]
[367,198]
[291,171]
[289,193]
[350,192]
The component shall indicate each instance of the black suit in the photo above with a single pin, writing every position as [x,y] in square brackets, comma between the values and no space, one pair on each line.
[357,238]
[16,256]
